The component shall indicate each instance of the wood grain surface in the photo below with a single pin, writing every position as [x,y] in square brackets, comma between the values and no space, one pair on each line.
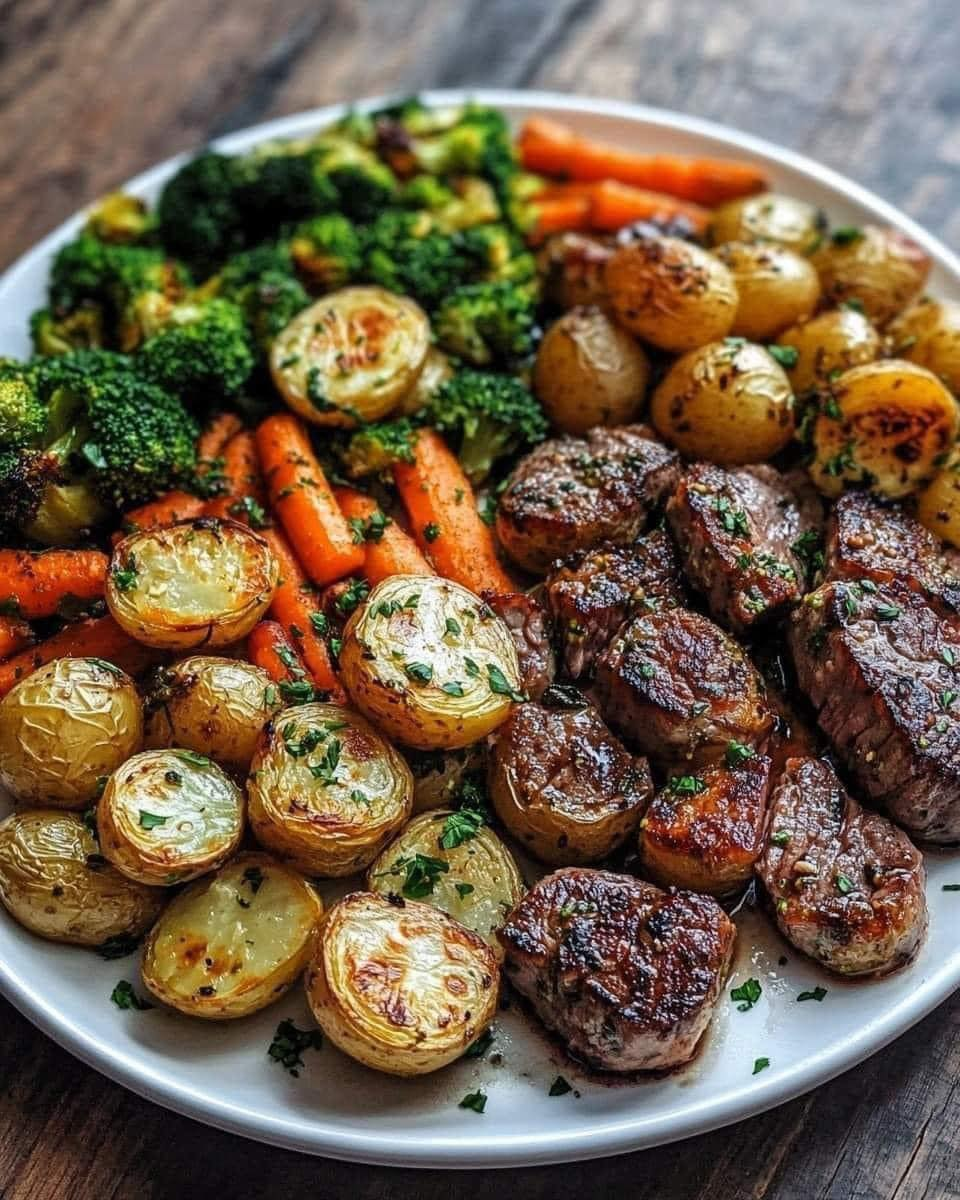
[91,92]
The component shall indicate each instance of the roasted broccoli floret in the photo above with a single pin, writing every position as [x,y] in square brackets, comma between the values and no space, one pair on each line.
[122,218]
[478,143]
[199,215]
[404,254]
[23,416]
[500,254]
[460,203]
[376,447]
[363,185]
[25,477]
[263,284]
[327,251]
[489,416]
[83,329]
[203,352]
[486,322]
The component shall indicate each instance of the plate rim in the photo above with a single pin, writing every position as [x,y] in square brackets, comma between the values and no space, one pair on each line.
[459,1150]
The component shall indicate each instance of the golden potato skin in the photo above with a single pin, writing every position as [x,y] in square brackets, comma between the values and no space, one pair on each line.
[167,816]
[728,403]
[671,293]
[769,217]
[928,334]
[589,371]
[326,792]
[351,356]
[401,987]
[64,728]
[833,341]
[777,287]
[482,864]
[197,583]
[880,269]
[414,636]
[571,266]
[216,706]
[233,942]
[938,504]
[887,427]
[54,881]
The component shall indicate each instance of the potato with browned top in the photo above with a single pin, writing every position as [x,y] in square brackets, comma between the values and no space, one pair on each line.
[879,270]
[776,286]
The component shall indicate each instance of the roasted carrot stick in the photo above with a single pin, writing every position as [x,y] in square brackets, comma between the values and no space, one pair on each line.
[294,607]
[557,214]
[270,648]
[38,583]
[443,516]
[14,636]
[99,638]
[555,149]
[302,499]
[243,484]
[387,549]
[614,204]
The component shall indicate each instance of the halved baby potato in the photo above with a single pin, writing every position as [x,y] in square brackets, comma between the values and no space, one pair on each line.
[216,706]
[479,884]
[938,504]
[437,369]
[56,883]
[64,728]
[776,286]
[167,816]
[233,942]
[400,986]
[429,663]
[769,217]
[878,270]
[829,343]
[197,583]
[326,792]
[351,357]
[928,334]
[887,426]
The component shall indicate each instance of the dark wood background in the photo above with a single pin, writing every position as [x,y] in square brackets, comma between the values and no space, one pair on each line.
[91,92]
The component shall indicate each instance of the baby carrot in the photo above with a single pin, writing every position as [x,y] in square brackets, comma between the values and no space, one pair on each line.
[270,648]
[243,494]
[443,516]
[614,204]
[37,583]
[302,499]
[98,638]
[556,214]
[387,549]
[14,636]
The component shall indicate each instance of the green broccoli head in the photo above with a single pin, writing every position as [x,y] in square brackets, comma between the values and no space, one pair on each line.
[200,216]
[280,188]
[490,416]
[376,447]
[486,322]
[25,476]
[23,415]
[83,329]
[203,353]
[263,284]
[363,185]
[478,143]
[327,251]
[405,254]
[501,254]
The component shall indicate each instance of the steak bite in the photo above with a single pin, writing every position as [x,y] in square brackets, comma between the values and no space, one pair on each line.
[880,542]
[680,689]
[881,665]
[628,975]
[524,616]
[572,492]
[705,831]
[562,784]
[739,533]
[847,886]
[592,592]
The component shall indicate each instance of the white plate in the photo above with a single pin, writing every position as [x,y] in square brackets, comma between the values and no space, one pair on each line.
[219,1073]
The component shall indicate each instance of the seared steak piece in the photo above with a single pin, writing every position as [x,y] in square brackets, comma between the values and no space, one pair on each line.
[572,492]
[880,542]
[680,689]
[627,975]
[881,666]
[739,532]
[591,594]
[563,785]
[705,831]
[524,616]
[847,886]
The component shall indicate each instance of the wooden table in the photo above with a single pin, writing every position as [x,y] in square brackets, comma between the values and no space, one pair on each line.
[91,93]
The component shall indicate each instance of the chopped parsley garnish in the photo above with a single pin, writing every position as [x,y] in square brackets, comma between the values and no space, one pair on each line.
[173,777]
[737,753]
[947,698]
[487,510]
[483,1043]
[124,996]
[106,666]
[780,838]
[471,667]
[686,785]
[289,1043]
[269,696]
[326,769]
[842,461]
[431,531]
[845,884]
[817,994]
[948,656]
[248,507]
[149,820]
[125,578]
[886,612]
[647,670]
[452,626]
[419,672]
[854,304]
[320,623]
[308,741]
[845,235]
[786,356]
[420,872]
[808,547]
[463,889]
[453,688]
[733,520]
[951,887]
[460,827]
[194,759]
[118,946]
[746,995]
[369,529]
[475,1101]
[353,594]
[559,1087]
[501,685]
[760,1064]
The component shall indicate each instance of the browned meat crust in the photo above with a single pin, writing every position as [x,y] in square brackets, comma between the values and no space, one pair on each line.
[524,616]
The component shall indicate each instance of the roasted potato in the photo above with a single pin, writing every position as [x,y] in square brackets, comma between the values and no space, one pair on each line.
[777,287]
[478,885]
[590,372]
[233,942]
[437,369]
[728,402]
[885,425]
[671,293]
[167,816]
[928,334]
[769,217]
[938,504]
[878,270]
[326,792]
[55,882]
[832,342]
[439,774]
[402,988]
[571,266]
[216,706]
[197,583]
[351,357]
[429,663]
[64,728]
